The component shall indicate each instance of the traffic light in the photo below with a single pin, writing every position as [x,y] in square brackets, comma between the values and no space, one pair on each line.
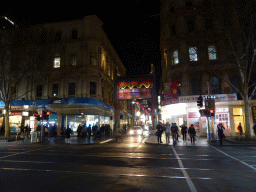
[46,115]
[199,101]
[210,104]
[38,116]
[212,112]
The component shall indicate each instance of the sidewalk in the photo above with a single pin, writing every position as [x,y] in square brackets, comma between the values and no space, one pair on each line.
[200,141]
[73,141]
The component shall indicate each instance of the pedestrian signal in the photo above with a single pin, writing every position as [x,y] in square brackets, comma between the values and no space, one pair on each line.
[199,101]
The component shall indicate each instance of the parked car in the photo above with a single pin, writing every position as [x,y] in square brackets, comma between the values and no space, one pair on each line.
[135,130]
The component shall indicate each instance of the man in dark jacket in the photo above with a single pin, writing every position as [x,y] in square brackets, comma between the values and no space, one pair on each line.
[160,129]
[174,130]
[184,130]
[67,135]
[192,133]
[220,132]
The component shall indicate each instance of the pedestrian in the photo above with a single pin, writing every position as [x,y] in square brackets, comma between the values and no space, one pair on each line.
[167,132]
[94,130]
[254,129]
[220,132]
[184,130]
[159,132]
[102,130]
[174,130]
[83,131]
[89,131]
[240,129]
[192,133]
[79,130]
[45,131]
[67,135]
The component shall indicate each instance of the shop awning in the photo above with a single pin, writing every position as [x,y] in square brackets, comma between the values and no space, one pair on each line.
[58,101]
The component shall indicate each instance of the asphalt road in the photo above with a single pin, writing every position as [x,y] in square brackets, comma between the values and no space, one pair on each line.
[126,165]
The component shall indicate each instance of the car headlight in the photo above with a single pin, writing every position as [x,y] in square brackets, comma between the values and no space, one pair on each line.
[139,131]
[131,131]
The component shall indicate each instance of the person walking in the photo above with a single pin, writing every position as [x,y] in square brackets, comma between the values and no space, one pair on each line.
[174,130]
[220,132]
[254,129]
[184,130]
[159,128]
[167,132]
[67,135]
[89,131]
[192,133]
[240,129]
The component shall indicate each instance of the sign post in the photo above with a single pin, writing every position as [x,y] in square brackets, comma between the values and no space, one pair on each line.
[210,106]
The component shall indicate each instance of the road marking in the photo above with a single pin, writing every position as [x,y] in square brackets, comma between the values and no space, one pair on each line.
[24,152]
[102,174]
[190,183]
[235,159]
[105,141]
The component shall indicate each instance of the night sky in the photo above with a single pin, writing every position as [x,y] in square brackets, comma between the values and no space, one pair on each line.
[133,27]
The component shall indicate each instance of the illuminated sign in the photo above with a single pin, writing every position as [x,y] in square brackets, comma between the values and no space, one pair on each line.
[135,93]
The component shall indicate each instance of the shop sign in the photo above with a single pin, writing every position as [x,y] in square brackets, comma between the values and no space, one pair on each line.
[58,101]
[15,113]
[254,113]
[226,97]
[221,110]
[193,115]
[219,97]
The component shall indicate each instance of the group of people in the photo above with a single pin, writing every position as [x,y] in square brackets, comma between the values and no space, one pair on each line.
[174,130]
[83,131]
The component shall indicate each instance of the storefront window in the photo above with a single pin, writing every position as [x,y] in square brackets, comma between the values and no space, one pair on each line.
[222,116]
[91,120]
[238,117]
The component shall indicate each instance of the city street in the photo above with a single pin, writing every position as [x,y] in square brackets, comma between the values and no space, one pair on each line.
[128,164]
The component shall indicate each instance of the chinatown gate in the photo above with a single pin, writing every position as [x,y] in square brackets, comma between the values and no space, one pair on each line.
[132,90]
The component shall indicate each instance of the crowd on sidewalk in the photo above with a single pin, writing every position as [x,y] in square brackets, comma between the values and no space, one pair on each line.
[173,130]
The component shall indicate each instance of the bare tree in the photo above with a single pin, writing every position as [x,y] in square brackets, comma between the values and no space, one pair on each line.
[243,49]
[13,68]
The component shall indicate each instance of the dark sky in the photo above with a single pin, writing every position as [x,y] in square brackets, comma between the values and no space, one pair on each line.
[132,27]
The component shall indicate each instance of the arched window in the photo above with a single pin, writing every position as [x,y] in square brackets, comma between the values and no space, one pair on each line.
[215,85]
[58,36]
[74,34]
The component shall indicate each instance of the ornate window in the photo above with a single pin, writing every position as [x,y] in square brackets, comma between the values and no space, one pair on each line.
[193,54]
[55,90]
[39,91]
[93,60]
[215,85]
[73,60]
[56,63]
[74,34]
[212,53]
[93,88]
[175,57]
[72,88]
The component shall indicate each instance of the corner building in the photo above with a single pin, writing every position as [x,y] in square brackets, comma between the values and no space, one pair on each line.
[195,49]
[75,68]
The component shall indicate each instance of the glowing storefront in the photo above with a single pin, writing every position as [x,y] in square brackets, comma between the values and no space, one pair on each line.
[228,111]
